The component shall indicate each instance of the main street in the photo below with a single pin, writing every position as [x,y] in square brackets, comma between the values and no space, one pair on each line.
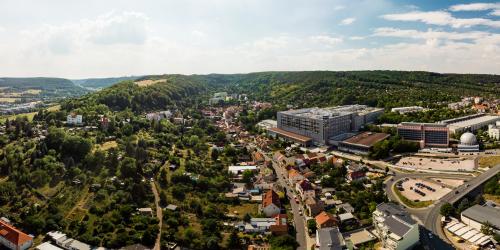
[299,220]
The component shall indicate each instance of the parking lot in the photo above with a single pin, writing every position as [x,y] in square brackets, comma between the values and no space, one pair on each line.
[417,189]
[423,163]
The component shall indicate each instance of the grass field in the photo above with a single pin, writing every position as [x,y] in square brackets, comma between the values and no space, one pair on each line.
[495,198]
[11,117]
[145,83]
[489,161]
[107,145]
[54,108]
[247,208]
[410,203]
[33,91]
[8,99]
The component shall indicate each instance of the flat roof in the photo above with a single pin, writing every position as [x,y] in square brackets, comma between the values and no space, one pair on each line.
[483,214]
[474,121]
[320,113]
[361,237]
[366,139]
[291,135]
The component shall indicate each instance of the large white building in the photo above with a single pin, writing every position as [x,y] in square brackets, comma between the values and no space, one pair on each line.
[470,123]
[395,228]
[477,215]
[494,130]
[74,119]
[468,143]
[406,110]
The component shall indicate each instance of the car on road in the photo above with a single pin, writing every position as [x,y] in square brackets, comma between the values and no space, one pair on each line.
[430,236]
[300,213]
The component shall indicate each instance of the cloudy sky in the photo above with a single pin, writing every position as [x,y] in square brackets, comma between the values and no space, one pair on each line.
[96,38]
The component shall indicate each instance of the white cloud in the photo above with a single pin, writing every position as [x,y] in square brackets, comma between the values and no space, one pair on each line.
[429,34]
[326,40]
[495,12]
[441,18]
[357,38]
[347,21]
[123,28]
[339,7]
[475,7]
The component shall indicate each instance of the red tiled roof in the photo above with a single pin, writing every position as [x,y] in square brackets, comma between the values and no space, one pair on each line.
[271,197]
[324,217]
[12,234]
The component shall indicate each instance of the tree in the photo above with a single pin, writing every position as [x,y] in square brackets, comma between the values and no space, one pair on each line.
[233,241]
[447,210]
[311,226]
[285,242]
[487,229]
[248,176]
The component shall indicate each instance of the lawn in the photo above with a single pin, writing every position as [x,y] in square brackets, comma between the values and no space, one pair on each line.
[410,203]
[8,99]
[107,145]
[247,208]
[494,198]
[54,108]
[489,161]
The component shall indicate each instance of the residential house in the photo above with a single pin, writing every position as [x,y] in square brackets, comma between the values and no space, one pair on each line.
[65,242]
[305,189]
[271,205]
[281,226]
[314,206]
[355,172]
[13,238]
[47,246]
[256,225]
[347,218]
[294,176]
[325,219]
[329,238]
[394,227]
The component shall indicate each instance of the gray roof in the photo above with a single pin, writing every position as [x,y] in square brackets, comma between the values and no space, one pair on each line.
[390,209]
[397,226]
[330,239]
[483,214]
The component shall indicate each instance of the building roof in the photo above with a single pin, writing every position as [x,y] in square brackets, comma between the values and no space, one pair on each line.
[468,138]
[305,185]
[13,235]
[366,139]
[135,247]
[291,135]
[47,246]
[474,121]
[397,226]
[483,214]
[390,209]
[361,237]
[346,216]
[271,197]
[293,173]
[324,217]
[330,239]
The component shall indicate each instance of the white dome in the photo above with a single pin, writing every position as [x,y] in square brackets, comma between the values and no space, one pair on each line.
[468,138]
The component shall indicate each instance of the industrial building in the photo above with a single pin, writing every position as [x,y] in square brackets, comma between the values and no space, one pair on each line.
[394,226]
[470,123]
[477,215]
[321,124]
[427,134]
[362,143]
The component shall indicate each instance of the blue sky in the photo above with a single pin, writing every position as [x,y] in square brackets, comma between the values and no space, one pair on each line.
[95,38]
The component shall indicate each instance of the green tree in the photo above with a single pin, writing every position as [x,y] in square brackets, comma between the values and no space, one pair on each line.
[447,210]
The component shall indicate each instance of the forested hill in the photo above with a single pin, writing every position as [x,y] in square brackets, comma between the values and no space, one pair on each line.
[306,88]
[43,83]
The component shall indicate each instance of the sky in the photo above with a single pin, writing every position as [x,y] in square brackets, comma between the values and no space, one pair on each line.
[96,38]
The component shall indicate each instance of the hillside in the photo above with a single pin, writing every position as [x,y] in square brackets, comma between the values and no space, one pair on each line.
[309,88]
[99,83]
[38,87]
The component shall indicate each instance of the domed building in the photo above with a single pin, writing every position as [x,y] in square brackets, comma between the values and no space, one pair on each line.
[468,143]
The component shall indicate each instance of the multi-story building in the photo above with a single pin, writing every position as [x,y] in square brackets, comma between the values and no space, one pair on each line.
[494,130]
[13,238]
[320,124]
[394,226]
[74,119]
[426,134]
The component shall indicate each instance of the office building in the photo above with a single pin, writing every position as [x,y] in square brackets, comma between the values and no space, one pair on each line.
[470,123]
[395,228]
[320,124]
[426,134]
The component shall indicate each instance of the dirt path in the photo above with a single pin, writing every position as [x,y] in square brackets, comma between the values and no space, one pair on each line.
[79,204]
[159,214]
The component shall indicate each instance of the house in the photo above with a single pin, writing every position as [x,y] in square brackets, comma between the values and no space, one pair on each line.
[171,207]
[74,119]
[347,218]
[281,226]
[271,205]
[305,189]
[346,207]
[355,172]
[65,242]
[47,246]
[314,206]
[145,211]
[325,219]
[13,238]
[294,176]
[329,238]
[394,227]
[258,157]
[256,225]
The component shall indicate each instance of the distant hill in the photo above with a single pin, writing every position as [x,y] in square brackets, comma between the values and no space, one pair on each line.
[43,86]
[99,83]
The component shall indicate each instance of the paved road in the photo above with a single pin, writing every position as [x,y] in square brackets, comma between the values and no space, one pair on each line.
[159,214]
[299,220]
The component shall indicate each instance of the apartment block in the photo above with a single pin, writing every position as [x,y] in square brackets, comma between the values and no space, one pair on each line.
[394,227]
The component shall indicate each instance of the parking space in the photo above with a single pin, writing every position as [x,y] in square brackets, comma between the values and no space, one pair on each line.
[423,163]
[421,190]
